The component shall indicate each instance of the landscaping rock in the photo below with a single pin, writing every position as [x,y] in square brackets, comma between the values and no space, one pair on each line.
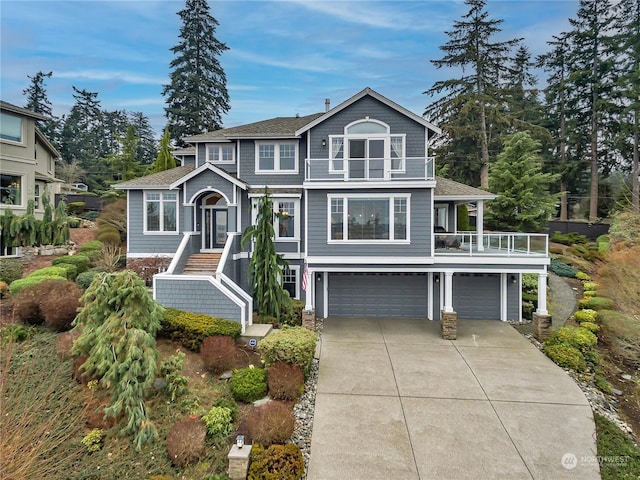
[615,391]
[159,384]
[626,376]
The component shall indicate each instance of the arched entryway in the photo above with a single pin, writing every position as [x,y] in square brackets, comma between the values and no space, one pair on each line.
[214,222]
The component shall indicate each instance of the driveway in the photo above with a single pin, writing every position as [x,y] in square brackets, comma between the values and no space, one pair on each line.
[396,401]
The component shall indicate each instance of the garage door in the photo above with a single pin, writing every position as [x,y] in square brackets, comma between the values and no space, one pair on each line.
[477,296]
[378,295]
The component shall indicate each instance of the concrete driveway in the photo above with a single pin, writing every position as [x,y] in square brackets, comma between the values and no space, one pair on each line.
[396,401]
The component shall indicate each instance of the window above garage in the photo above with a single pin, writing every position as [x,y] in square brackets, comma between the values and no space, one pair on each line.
[368,218]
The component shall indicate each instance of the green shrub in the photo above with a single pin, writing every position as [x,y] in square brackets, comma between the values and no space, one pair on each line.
[249,384]
[93,440]
[586,315]
[562,269]
[91,246]
[570,238]
[596,303]
[218,421]
[576,337]
[278,462]
[171,369]
[74,222]
[295,345]
[583,276]
[18,285]
[590,286]
[592,327]
[590,293]
[50,272]
[10,270]
[566,356]
[463,218]
[84,279]
[80,260]
[109,234]
[16,332]
[292,314]
[530,283]
[228,403]
[76,208]
[190,329]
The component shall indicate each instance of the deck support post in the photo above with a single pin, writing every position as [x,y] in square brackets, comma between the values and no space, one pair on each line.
[448,292]
[480,223]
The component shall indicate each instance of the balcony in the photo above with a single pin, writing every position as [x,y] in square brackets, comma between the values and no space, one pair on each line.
[405,169]
[492,244]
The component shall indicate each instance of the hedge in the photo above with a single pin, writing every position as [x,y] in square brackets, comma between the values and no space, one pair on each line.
[596,303]
[80,260]
[190,329]
[18,285]
[50,272]
[295,345]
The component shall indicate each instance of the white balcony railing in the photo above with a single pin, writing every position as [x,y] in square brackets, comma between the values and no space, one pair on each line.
[369,169]
[495,243]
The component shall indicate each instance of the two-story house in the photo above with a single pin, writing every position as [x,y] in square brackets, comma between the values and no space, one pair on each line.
[362,212]
[27,160]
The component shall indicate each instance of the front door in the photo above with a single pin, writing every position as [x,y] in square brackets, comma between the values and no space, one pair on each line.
[214,232]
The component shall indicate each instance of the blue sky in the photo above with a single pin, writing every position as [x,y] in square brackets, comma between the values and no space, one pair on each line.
[285,57]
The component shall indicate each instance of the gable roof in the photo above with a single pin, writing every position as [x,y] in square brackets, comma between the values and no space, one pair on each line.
[447,189]
[275,127]
[21,111]
[372,93]
[209,166]
[156,180]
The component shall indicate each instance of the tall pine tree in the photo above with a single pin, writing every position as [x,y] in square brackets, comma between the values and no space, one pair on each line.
[165,160]
[147,144]
[470,106]
[38,101]
[197,96]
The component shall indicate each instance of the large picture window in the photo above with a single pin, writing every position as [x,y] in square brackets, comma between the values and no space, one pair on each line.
[10,127]
[364,218]
[161,212]
[277,157]
[10,189]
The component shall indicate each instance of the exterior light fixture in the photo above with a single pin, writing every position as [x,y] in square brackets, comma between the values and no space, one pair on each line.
[436,279]
[324,142]
[514,279]
[240,441]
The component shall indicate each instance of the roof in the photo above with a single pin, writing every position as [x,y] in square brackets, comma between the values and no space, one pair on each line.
[184,151]
[156,180]
[21,111]
[447,189]
[372,93]
[275,127]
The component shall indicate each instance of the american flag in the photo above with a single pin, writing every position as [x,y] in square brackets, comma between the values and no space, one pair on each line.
[305,276]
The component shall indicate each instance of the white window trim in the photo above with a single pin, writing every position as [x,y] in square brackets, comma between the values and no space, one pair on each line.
[275,200]
[276,158]
[445,207]
[23,200]
[391,197]
[144,213]
[23,127]
[296,269]
[218,146]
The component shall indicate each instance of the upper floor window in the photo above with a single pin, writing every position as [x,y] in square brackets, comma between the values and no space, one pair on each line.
[10,189]
[220,153]
[279,157]
[10,127]
[364,218]
[161,212]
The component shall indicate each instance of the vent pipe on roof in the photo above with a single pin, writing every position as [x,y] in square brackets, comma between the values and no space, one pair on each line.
[327,104]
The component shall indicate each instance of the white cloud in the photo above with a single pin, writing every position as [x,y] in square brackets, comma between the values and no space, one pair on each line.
[104,75]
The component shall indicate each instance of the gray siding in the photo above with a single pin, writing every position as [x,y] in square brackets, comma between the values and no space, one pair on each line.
[149,243]
[420,234]
[208,179]
[198,296]
[367,106]
[514,307]
[248,166]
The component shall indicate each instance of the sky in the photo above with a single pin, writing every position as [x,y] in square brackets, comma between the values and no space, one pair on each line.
[284,58]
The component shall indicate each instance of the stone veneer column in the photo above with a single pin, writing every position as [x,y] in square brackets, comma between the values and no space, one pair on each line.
[449,325]
[239,462]
[541,326]
[309,319]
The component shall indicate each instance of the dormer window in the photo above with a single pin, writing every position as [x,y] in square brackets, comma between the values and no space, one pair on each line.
[224,153]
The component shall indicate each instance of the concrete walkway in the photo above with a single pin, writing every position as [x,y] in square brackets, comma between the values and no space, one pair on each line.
[395,401]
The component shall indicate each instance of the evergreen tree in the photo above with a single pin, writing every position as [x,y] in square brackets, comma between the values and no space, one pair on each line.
[471,107]
[266,266]
[147,145]
[38,102]
[197,96]
[591,84]
[626,45]
[118,324]
[114,128]
[524,202]
[125,164]
[165,160]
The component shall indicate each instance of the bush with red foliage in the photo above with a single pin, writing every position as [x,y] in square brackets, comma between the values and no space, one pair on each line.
[286,381]
[186,441]
[51,302]
[267,424]
[218,353]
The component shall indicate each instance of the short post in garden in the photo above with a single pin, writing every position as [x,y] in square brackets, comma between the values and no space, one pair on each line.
[239,459]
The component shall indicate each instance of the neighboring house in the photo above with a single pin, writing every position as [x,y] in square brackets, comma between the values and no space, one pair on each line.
[27,161]
[361,202]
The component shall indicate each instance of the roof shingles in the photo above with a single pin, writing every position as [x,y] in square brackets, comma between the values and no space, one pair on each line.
[160,179]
